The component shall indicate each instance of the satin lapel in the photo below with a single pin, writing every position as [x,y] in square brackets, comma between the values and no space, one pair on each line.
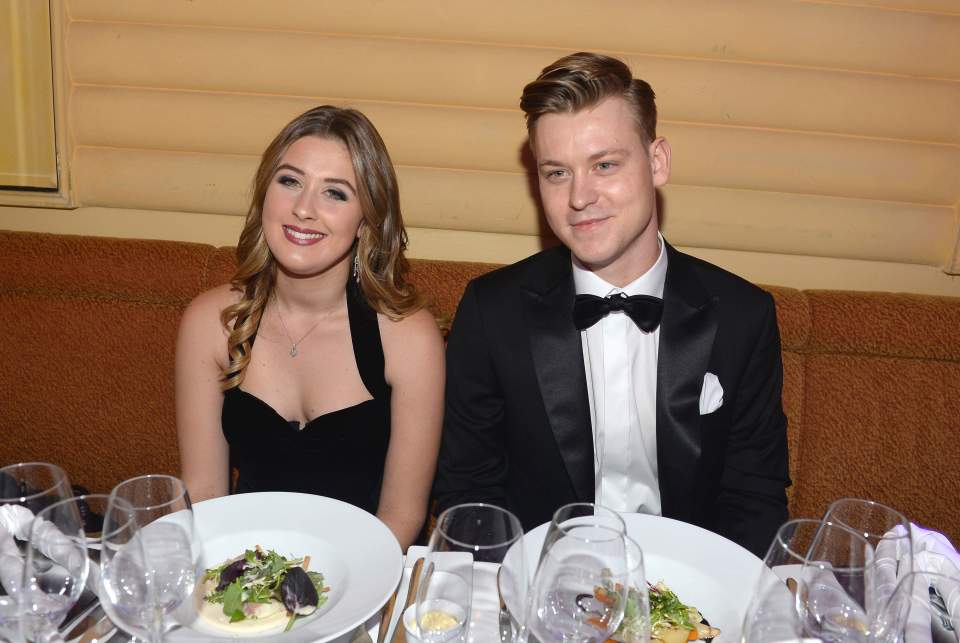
[558,361]
[687,332]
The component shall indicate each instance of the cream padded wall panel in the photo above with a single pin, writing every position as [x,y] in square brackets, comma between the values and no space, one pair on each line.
[798,33]
[492,140]
[446,74]
[500,202]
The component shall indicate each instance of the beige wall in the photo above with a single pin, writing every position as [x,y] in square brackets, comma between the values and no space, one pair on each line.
[816,144]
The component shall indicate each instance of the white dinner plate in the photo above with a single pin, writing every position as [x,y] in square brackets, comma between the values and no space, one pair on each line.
[715,575]
[358,555]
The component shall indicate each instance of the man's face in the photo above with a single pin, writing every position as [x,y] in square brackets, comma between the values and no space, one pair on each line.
[597,182]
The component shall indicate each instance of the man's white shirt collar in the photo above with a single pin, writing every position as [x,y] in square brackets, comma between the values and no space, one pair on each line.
[587,282]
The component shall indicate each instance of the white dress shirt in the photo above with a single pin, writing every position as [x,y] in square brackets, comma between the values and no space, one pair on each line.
[620,361]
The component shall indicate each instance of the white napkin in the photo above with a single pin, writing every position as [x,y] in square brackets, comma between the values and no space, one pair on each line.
[932,554]
[17,521]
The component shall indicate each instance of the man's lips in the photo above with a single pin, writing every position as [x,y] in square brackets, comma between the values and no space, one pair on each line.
[586,225]
[302,236]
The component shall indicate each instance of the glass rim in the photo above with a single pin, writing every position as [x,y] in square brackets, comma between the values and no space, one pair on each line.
[902,519]
[128,508]
[804,558]
[58,470]
[480,505]
[561,524]
[160,505]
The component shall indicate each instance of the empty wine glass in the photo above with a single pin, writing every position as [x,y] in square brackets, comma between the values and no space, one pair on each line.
[580,589]
[164,519]
[468,539]
[888,532]
[581,513]
[772,613]
[57,566]
[835,581]
[635,627]
[25,488]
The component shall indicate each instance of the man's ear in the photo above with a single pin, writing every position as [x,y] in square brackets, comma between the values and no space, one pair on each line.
[659,154]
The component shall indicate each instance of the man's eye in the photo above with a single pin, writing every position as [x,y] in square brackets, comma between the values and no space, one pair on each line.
[337,195]
[287,181]
[606,165]
[555,174]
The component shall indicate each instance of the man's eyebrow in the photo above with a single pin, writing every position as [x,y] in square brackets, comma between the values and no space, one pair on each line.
[599,155]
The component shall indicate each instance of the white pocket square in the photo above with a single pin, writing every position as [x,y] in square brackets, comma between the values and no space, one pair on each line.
[711,395]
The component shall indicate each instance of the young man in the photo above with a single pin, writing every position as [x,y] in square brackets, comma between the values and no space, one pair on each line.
[613,369]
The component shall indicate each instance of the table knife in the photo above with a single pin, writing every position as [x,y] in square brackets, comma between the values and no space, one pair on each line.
[387,613]
[399,633]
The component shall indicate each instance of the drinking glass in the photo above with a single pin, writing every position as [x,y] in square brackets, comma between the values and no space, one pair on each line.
[468,539]
[581,513]
[170,554]
[580,589]
[772,613]
[635,627]
[32,485]
[923,607]
[835,581]
[57,566]
[888,532]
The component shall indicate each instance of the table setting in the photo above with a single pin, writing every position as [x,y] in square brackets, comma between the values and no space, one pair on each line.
[143,563]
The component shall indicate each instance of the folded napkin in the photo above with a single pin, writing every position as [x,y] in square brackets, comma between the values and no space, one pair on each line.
[16,521]
[937,564]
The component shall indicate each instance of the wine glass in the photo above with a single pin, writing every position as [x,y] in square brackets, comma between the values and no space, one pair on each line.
[835,582]
[888,532]
[468,540]
[165,533]
[772,613]
[580,589]
[33,486]
[635,627]
[57,567]
[581,513]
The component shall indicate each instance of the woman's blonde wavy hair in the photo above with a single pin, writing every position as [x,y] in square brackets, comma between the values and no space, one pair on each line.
[378,250]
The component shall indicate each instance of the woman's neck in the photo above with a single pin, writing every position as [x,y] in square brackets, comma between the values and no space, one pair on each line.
[321,294]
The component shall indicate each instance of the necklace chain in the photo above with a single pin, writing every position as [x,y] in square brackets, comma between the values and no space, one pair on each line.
[294,350]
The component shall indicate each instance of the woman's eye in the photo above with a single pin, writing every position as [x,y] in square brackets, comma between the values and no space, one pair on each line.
[556,174]
[337,195]
[287,181]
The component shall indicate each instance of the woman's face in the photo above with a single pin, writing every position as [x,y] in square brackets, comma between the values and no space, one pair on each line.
[311,213]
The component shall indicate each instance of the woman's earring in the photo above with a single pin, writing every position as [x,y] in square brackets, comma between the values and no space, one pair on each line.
[356,267]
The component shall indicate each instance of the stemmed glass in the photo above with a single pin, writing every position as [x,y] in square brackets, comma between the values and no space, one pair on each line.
[835,582]
[581,513]
[152,559]
[888,532]
[33,486]
[580,589]
[468,539]
[772,613]
[57,566]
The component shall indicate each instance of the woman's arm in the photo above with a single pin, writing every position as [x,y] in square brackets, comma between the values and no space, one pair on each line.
[204,454]
[414,368]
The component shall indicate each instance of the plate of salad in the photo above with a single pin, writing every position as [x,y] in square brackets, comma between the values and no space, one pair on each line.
[287,567]
[697,580]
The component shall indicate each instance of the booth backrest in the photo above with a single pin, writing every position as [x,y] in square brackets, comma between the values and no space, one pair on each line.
[870,379]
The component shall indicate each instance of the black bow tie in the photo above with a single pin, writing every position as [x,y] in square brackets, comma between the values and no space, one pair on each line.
[644,310]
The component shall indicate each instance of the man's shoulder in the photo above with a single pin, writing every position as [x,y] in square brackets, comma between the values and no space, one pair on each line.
[721,282]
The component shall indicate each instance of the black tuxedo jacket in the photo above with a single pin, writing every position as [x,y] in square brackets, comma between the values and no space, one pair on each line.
[517,428]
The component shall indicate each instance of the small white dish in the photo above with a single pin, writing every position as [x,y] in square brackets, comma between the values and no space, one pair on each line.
[413,630]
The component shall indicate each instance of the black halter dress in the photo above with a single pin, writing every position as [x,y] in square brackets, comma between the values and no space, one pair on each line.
[339,454]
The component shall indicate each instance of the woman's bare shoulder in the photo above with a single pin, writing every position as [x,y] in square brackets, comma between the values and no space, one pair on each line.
[203,313]
[417,327]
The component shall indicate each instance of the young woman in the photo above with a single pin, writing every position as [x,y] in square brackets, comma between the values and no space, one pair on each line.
[316,369]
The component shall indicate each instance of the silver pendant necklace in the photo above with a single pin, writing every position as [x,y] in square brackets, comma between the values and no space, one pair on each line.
[294,345]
